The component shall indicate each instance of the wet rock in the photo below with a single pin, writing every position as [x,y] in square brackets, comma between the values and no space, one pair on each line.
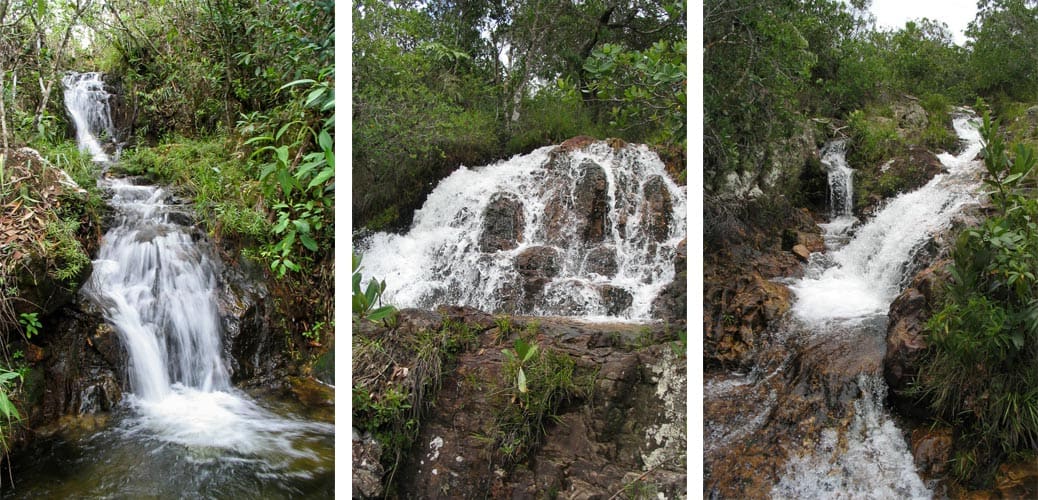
[906,340]
[671,305]
[537,265]
[656,209]
[616,299]
[932,450]
[78,379]
[503,222]
[581,211]
[1018,479]
[367,469]
[746,309]
[252,346]
[801,252]
[601,260]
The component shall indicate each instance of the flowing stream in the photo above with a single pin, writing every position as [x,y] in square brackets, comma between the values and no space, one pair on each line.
[443,258]
[834,339]
[183,429]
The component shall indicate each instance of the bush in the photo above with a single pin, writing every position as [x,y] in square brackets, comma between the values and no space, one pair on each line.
[981,370]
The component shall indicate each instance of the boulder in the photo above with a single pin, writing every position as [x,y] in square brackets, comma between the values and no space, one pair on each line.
[537,265]
[616,299]
[905,339]
[656,209]
[601,260]
[801,252]
[503,222]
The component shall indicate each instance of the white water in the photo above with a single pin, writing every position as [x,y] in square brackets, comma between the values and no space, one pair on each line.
[841,178]
[863,277]
[872,462]
[439,260]
[87,103]
[846,288]
[155,280]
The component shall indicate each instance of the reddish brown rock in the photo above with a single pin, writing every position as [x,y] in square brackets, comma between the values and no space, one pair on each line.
[801,252]
[932,449]
[906,337]
[503,222]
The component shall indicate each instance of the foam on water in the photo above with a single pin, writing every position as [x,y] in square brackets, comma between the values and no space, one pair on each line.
[863,277]
[439,260]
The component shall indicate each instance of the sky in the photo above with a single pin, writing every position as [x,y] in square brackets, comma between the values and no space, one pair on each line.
[955,13]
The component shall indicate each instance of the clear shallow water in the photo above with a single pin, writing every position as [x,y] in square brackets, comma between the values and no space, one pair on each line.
[240,450]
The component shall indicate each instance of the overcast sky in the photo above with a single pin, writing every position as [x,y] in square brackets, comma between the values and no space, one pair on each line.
[955,13]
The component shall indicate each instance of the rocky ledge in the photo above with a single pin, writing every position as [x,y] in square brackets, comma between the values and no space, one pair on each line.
[615,419]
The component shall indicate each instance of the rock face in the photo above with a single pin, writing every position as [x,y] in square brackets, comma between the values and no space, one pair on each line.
[579,212]
[252,346]
[503,222]
[627,427]
[906,341]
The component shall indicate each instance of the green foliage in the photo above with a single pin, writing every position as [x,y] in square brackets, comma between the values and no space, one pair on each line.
[297,169]
[1004,49]
[645,89]
[874,138]
[31,323]
[367,303]
[202,169]
[982,367]
[539,382]
[64,251]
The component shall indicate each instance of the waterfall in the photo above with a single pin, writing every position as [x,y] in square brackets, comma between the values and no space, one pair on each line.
[863,277]
[87,103]
[155,279]
[591,233]
[156,286]
[844,297]
[841,178]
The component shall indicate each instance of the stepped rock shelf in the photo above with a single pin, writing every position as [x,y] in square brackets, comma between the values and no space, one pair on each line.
[577,250]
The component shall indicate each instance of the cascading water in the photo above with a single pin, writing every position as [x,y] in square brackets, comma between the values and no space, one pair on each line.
[841,178]
[87,103]
[863,277]
[600,224]
[843,292]
[187,429]
[841,193]
[808,419]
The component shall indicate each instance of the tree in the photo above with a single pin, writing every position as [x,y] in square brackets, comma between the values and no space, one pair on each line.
[1003,41]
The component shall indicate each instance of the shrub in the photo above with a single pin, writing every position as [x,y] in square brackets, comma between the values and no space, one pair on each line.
[981,370]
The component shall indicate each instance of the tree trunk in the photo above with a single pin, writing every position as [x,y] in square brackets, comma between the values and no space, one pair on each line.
[80,8]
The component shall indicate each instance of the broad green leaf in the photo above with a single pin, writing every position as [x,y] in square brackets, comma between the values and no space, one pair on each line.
[521,379]
[308,242]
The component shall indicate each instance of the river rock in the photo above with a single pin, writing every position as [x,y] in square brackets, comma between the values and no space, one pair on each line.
[601,260]
[656,209]
[616,299]
[932,449]
[671,305]
[503,222]
[746,308]
[906,340]
[537,265]
[579,211]
[801,252]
